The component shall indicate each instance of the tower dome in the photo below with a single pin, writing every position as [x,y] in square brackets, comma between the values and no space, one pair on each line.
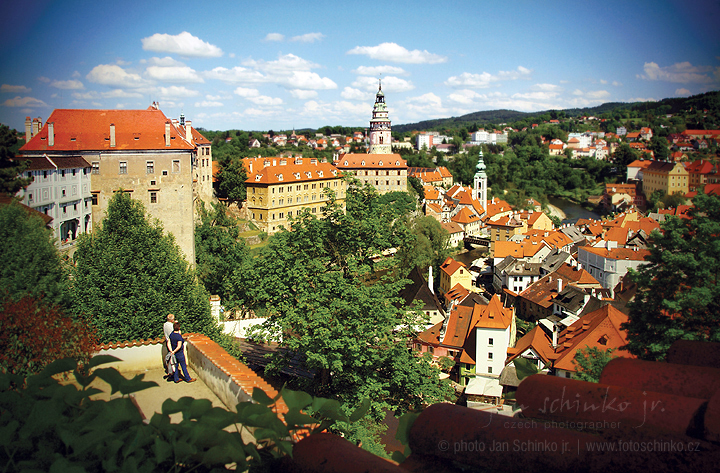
[380,127]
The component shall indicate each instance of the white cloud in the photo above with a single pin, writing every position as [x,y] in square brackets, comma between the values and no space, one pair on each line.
[283,65]
[375,71]
[464,96]
[308,38]
[424,107]
[603,81]
[114,76]
[354,94]
[24,102]
[44,79]
[166,61]
[540,95]
[14,89]
[307,80]
[120,62]
[175,91]
[485,80]
[617,84]
[597,94]
[393,52]
[642,99]
[174,74]
[236,75]
[183,44]
[76,74]
[244,92]
[389,84]
[274,37]
[304,94]
[208,104]
[682,72]
[682,92]
[547,87]
[120,93]
[67,84]
[265,100]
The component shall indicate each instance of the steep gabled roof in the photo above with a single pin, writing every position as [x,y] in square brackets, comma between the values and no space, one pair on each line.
[599,329]
[493,315]
[458,325]
[465,216]
[450,266]
[535,340]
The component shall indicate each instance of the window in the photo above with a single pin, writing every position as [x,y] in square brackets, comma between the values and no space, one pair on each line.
[123,167]
[153,197]
[30,197]
[489,370]
[63,192]
[150,167]
[44,174]
[176,166]
[94,199]
[490,356]
[75,207]
[73,172]
[62,173]
[490,341]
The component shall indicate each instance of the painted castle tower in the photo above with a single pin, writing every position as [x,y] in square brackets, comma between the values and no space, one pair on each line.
[380,130]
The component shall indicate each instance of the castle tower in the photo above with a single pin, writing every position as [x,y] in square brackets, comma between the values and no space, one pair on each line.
[380,130]
[480,182]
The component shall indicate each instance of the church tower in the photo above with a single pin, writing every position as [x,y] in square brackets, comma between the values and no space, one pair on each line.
[480,182]
[380,130]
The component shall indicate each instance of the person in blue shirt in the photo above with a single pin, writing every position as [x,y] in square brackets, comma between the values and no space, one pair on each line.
[176,344]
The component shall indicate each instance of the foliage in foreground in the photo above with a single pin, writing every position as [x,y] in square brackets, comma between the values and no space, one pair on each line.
[678,291]
[47,425]
[33,334]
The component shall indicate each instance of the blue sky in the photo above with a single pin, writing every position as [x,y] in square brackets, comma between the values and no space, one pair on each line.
[281,64]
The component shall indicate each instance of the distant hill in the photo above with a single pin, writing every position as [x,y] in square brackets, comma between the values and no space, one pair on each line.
[709,100]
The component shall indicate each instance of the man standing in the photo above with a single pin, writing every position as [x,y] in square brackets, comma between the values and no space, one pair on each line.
[167,329]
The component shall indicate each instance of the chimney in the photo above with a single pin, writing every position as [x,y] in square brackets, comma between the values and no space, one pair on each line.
[167,134]
[554,335]
[250,165]
[28,129]
[37,126]
[579,266]
[112,135]
[188,131]
[559,286]
[51,134]
[274,162]
[430,280]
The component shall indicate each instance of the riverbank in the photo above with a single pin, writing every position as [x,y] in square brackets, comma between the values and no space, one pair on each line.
[555,212]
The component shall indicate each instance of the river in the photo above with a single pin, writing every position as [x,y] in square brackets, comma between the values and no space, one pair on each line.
[572,210]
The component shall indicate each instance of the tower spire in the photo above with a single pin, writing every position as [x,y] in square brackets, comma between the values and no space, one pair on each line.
[480,182]
[380,127]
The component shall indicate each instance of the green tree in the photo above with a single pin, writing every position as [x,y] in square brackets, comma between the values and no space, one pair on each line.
[659,147]
[11,169]
[29,261]
[129,275]
[219,251]
[429,247]
[417,186]
[678,293]
[590,361]
[231,179]
[342,323]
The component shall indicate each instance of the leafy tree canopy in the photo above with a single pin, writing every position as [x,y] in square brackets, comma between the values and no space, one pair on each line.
[29,261]
[678,294]
[590,361]
[129,275]
[231,179]
[10,169]
[314,283]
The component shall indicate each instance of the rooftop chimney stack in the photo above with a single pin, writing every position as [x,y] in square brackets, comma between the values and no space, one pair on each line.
[188,131]
[37,126]
[28,129]
[51,134]
[559,286]
[167,134]
[112,135]
[430,280]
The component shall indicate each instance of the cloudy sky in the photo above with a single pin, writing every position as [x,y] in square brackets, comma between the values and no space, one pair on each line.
[281,64]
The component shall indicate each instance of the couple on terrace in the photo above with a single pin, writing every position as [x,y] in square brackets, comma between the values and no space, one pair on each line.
[173,353]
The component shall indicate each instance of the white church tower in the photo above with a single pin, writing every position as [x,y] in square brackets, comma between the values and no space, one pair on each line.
[480,182]
[380,130]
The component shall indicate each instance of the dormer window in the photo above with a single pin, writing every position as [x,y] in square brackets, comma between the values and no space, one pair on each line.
[280,177]
[257,177]
[397,163]
[346,163]
[362,163]
[320,173]
[380,163]
[297,175]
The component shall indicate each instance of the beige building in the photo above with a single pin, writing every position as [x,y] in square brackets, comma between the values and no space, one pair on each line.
[667,177]
[280,188]
[165,164]
[385,172]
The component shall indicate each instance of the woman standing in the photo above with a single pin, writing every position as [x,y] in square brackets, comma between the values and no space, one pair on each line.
[176,344]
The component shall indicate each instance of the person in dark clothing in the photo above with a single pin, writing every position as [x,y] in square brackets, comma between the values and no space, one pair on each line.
[176,344]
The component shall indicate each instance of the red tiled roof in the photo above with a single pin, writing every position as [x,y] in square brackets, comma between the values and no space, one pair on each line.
[537,340]
[618,253]
[450,266]
[493,315]
[599,329]
[89,130]
[355,161]
[465,216]
[291,172]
